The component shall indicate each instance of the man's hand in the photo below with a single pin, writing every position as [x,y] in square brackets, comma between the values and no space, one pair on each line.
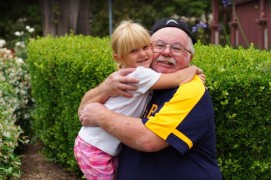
[90,114]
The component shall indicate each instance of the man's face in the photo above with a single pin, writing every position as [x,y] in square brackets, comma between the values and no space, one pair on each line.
[167,61]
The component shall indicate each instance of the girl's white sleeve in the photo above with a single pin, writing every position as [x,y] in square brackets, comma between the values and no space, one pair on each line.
[146,76]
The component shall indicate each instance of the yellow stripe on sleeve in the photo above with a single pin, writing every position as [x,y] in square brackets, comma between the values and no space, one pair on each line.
[174,112]
[183,137]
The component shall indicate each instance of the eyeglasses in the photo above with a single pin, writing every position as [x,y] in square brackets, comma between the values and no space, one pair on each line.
[176,48]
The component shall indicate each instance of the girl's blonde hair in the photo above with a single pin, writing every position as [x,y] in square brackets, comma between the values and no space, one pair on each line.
[128,36]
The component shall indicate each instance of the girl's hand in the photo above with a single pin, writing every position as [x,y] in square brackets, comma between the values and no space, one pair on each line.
[201,74]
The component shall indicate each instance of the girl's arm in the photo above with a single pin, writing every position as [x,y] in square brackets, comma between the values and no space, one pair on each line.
[170,80]
[116,84]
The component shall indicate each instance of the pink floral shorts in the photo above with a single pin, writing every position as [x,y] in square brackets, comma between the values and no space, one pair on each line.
[94,163]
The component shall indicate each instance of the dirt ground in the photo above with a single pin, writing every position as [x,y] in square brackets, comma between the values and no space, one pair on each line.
[34,166]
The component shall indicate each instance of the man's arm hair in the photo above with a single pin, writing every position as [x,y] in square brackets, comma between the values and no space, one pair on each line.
[129,130]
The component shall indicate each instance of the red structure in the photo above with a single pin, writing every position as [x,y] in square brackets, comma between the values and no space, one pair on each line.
[250,22]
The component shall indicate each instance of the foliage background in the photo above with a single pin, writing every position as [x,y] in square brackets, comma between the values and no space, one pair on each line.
[239,81]
[15,15]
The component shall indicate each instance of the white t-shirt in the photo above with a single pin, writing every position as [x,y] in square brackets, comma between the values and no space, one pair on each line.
[134,106]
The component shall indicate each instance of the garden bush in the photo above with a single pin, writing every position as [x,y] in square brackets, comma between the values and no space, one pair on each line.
[14,111]
[63,69]
[240,86]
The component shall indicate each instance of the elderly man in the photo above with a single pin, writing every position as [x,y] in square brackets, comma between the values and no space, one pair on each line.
[175,138]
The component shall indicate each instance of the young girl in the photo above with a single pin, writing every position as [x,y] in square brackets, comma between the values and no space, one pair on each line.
[95,150]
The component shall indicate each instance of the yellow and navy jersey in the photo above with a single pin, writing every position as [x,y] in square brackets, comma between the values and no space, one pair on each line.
[183,117]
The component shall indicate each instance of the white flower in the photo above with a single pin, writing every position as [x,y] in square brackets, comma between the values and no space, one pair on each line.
[2,42]
[7,51]
[31,30]
[17,33]
[18,44]
[6,134]
[19,60]
[22,19]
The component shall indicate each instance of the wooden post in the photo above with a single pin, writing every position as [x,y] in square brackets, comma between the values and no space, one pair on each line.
[234,27]
[215,24]
[262,21]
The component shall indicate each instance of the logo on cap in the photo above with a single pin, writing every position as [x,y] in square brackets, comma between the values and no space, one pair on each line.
[171,20]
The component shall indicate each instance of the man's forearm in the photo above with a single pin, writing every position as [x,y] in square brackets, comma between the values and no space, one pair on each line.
[130,131]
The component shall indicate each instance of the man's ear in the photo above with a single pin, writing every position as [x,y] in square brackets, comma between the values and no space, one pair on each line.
[191,57]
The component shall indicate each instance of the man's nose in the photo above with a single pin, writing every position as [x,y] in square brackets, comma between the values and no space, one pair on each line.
[167,50]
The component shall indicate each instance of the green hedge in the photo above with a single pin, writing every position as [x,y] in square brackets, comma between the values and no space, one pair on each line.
[63,69]
[239,81]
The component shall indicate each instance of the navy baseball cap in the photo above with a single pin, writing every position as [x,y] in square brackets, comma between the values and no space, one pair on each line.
[171,22]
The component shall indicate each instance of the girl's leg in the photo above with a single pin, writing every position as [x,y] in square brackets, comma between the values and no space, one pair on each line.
[94,163]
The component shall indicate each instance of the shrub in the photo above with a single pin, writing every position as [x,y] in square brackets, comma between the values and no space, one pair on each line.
[240,86]
[62,70]
[13,100]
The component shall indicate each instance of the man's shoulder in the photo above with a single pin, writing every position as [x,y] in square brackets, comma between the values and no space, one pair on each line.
[193,88]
